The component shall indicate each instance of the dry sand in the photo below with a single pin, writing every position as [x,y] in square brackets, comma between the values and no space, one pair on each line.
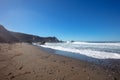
[23,61]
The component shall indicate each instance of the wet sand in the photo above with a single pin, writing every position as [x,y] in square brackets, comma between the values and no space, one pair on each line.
[22,61]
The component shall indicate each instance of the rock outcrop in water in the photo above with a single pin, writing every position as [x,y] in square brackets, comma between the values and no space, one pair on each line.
[11,37]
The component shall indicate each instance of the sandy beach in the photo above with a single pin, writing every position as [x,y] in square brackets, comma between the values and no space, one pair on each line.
[23,61]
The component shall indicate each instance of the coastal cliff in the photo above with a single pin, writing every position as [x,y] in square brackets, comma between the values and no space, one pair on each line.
[7,36]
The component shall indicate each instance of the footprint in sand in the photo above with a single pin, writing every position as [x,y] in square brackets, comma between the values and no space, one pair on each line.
[12,77]
[27,72]
[9,74]
[20,67]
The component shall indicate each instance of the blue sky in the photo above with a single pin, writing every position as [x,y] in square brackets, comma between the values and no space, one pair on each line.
[84,20]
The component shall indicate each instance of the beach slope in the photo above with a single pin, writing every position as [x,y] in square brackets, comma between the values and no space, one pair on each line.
[23,61]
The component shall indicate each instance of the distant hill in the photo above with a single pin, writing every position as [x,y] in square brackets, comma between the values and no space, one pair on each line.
[11,37]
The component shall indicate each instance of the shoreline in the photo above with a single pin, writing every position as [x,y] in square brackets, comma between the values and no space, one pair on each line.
[23,61]
[111,64]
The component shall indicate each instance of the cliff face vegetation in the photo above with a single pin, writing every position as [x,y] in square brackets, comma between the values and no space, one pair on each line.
[7,36]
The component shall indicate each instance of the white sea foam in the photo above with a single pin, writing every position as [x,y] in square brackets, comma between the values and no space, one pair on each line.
[105,44]
[88,49]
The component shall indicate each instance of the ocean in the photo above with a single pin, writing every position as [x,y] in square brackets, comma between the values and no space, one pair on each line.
[88,51]
[100,50]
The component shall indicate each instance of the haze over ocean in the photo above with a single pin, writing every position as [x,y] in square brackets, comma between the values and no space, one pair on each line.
[81,20]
